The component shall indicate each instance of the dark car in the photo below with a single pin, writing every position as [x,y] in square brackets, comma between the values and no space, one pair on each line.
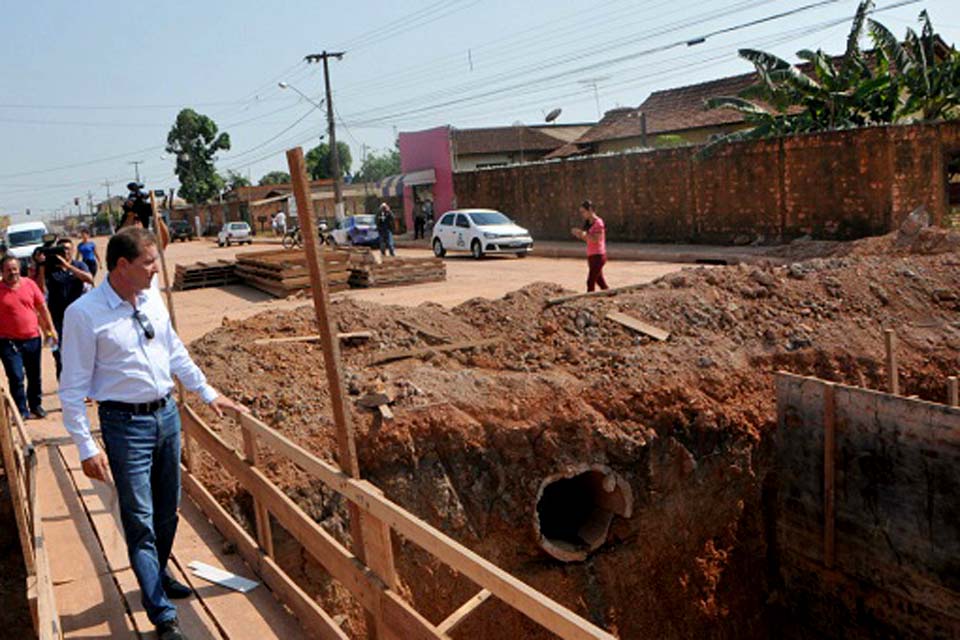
[182,230]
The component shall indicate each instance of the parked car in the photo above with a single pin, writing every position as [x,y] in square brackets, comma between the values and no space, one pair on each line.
[356,230]
[22,238]
[234,233]
[181,230]
[479,231]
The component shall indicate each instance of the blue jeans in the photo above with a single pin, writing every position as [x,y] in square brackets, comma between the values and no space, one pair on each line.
[386,242]
[144,455]
[19,357]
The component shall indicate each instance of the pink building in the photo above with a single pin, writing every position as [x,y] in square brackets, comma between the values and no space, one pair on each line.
[426,160]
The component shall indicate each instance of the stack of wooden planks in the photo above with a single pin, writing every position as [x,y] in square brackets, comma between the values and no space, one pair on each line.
[396,272]
[282,273]
[204,274]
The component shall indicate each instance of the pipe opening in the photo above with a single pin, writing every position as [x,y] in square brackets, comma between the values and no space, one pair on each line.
[574,511]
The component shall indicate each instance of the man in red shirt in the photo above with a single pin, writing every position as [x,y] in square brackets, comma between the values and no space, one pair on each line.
[22,311]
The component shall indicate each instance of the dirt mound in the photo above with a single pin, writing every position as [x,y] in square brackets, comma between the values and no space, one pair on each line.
[683,423]
[912,239]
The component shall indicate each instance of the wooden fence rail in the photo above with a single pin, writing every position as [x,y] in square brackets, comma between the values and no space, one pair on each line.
[396,617]
[20,463]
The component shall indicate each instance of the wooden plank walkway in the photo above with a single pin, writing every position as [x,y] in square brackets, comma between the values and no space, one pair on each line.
[96,590]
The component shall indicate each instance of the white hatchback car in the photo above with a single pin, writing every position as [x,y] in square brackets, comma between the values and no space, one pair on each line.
[234,232]
[479,231]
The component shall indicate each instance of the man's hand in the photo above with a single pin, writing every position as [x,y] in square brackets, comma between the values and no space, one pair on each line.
[96,467]
[220,403]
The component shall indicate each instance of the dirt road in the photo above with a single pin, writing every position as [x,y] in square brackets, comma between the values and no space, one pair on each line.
[200,310]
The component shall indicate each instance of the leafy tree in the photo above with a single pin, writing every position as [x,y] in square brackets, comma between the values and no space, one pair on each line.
[236,180]
[318,161]
[195,140]
[378,166]
[904,82]
[275,177]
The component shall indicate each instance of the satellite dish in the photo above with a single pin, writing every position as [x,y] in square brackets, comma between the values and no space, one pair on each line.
[553,115]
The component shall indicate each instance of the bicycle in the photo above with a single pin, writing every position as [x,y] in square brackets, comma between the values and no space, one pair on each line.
[292,239]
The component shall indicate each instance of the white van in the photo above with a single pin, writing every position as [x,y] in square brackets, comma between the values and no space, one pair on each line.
[22,238]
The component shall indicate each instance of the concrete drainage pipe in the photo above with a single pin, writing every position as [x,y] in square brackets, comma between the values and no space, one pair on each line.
[575,508]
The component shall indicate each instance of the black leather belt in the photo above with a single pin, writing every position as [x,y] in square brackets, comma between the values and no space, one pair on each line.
[140,409]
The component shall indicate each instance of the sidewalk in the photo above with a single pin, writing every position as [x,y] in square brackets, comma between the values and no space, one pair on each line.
[682,253]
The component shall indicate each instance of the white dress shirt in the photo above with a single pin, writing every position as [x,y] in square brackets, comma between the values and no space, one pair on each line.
[107,356]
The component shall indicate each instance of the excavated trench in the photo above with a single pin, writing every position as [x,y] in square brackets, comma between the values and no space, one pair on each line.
[628,479]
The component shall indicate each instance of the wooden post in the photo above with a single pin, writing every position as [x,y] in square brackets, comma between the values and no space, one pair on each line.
[261,515]
[893,376]
[829,450]
[189,451]
[378,538]
[953,392]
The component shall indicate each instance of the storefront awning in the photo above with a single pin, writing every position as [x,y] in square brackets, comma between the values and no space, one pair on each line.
[393,185]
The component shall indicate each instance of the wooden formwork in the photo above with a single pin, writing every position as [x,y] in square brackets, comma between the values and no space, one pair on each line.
[867,535]
[20,464]
[376,595]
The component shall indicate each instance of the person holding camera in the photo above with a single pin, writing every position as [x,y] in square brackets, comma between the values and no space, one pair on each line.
[22,314]
[66,281]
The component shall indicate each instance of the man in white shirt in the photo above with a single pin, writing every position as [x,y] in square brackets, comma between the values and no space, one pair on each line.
[280,223]
[121,350]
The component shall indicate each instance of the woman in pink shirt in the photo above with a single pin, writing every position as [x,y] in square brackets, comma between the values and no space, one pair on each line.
[594,233]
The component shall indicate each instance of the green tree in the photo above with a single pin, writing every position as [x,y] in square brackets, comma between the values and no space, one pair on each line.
[318,161]
[275,177]
[195,140]
[378,166]
[901,82]
[236,180]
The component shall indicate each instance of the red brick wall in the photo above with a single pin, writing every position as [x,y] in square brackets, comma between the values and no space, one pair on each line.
[838,184]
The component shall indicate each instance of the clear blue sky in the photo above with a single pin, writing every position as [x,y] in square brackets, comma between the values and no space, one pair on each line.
[87,87]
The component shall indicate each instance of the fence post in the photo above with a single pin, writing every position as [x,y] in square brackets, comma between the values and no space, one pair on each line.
[261,515]
[953,392]
[893,375]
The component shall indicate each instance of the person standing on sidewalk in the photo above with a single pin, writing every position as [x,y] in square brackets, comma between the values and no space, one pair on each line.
[385,229]
[594,233]
[121,350]
[22,313]
[419,221]
[66,281]
[87,252]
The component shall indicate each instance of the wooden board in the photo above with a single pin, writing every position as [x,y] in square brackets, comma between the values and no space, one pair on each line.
[638,325]
[104,514]
[351,335]
[88,601]
[255,614]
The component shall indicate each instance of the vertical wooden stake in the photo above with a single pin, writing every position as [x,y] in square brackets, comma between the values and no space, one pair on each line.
[189,451]
[829,468]
[893,375]
[953,392]
[378,554]
[260,513]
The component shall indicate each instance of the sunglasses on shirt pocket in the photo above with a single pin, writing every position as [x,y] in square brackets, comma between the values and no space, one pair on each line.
[144,323]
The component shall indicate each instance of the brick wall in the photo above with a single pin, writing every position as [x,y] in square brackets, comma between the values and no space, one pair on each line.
[843,184]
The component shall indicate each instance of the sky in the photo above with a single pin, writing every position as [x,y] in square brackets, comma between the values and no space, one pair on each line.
[87,88]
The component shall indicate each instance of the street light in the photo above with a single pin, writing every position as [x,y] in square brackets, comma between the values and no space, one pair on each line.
[284,85]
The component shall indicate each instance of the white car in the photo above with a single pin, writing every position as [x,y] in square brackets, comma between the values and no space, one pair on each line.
[479,231]
[234,232]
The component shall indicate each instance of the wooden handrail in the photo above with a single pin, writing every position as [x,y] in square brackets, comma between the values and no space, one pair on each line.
[370,500]
[20,462]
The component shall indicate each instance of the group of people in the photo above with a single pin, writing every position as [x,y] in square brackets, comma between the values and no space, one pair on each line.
[115,345]
[32,313]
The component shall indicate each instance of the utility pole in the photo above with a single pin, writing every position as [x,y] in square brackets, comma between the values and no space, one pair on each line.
[106,183]
[136,167]
[334,153]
